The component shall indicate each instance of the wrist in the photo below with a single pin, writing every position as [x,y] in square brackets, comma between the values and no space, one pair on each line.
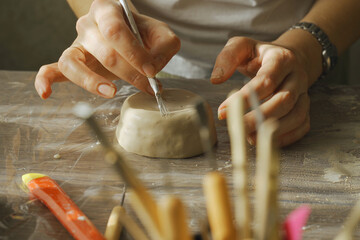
[307,49]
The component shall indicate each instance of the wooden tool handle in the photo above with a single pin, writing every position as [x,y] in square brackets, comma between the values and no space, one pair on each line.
[147,211]
[350,224]
[173,219]
[266,180]
[218,207]
[118,220]
[237,132]
[114,226]
[142,202]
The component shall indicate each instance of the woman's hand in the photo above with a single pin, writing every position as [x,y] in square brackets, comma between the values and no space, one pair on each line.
[106,50]
[280,80]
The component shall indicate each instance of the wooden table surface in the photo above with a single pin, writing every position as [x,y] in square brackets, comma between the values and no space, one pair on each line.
[321,170]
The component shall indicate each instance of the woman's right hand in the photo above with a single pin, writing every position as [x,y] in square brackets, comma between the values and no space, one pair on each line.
[106,50]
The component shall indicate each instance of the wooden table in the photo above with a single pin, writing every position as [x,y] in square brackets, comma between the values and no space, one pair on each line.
[321,170]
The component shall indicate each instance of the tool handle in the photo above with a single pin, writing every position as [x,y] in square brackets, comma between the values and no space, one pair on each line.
[266,180]
[218,207]
[65,210]
[350,224]
[131,20]
[114,226]
[118,220]
[146,209]
[173,219]
[237,133]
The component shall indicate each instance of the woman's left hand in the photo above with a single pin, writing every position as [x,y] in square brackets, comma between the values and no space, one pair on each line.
[280,79]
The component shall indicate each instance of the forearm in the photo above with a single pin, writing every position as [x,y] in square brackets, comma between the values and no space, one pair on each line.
[81,7]
[340,20]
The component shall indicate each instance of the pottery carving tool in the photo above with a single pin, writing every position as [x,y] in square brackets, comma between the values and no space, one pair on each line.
[216,194]
[154,83]
[218,207]
[59,203]
[173,219]
[114,227]
[350,224]
[120,219]
[140,199]
[266,180]
[237,132]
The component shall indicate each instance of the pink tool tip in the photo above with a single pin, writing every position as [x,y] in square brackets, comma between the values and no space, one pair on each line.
[295,221]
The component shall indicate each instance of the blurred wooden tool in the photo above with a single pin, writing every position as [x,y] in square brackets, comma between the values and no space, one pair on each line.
[114,226]
[140,199]
[218,207]
[266,180]
[350,224]
[204,132]
[120,219]
[237,132]
[173,219]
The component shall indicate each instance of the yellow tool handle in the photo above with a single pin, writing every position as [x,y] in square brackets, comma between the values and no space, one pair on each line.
[114,226]
[218,207]
[120,219]
[173,219]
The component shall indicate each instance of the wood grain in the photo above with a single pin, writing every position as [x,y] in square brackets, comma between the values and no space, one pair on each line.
[33,131]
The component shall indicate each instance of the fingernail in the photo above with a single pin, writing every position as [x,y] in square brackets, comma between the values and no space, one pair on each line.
[43,93]
[217,73]
[149,69]
[221,113]
[106,90]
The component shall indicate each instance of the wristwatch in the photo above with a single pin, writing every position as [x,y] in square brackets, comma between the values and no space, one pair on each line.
[329,51]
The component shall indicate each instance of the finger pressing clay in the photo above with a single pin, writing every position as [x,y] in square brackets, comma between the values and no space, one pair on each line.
[142,130]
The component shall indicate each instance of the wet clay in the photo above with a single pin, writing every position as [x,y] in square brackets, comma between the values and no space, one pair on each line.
[142,130]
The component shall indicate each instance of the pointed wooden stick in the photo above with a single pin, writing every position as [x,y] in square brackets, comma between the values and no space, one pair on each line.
[218,207]
[146,209]
[266,180]
[236,126]
[173,219]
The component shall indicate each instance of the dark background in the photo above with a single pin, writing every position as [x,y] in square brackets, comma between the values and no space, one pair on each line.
[34,32]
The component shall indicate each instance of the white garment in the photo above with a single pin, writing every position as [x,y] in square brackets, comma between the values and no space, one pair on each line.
[204,26]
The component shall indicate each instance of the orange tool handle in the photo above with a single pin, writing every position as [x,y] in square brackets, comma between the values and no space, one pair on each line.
[65,210]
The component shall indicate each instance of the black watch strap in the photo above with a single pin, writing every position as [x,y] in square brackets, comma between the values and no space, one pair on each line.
[329,51]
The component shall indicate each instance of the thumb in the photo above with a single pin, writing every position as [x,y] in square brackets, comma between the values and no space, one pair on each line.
[237,51]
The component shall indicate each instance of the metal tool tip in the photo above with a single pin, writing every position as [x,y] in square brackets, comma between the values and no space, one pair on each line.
[163,110]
